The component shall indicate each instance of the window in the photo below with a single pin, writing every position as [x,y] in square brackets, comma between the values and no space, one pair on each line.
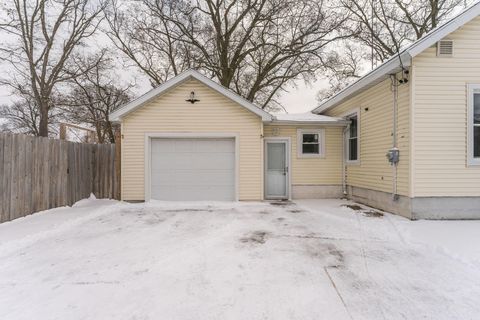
[310,143]
[352,138]
[474,124]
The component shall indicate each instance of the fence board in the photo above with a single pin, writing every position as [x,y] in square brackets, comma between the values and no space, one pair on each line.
[6,179]
[40,173]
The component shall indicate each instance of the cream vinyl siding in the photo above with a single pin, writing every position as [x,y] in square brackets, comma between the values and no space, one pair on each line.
[326,170]
[171,113]
[440,117]
[374,171]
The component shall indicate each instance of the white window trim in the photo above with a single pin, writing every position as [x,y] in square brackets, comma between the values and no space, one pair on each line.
[347,135]
[471,89]
[321,142]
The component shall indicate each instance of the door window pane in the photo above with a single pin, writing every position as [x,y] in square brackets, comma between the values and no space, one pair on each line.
[276,156]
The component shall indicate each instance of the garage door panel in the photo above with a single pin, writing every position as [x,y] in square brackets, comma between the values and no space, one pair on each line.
[194,194]
[215,145]
[200,161]
[220,161]
[184,178]
[192,169]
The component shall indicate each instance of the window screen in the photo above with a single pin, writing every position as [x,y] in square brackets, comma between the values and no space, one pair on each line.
[353,139]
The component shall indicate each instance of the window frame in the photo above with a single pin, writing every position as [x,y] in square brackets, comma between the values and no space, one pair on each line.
[346,116]
[321,143]
[472,89]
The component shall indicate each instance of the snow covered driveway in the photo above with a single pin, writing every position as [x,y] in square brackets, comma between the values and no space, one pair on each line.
[313,259]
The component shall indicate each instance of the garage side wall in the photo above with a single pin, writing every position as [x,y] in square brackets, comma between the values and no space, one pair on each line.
[314,177]
[214,113]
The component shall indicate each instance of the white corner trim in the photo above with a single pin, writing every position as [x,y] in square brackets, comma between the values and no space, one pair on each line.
[321,136]
[140,101]
[471,90]
[289,164]
[192,135]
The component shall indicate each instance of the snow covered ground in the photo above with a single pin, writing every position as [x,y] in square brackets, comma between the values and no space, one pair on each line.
[313,259]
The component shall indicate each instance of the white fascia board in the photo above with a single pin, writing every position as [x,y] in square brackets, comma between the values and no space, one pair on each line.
[338,123]
[117,115]
[373,77]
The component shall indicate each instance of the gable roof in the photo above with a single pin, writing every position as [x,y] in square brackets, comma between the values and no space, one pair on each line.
[118,114]
[404,57]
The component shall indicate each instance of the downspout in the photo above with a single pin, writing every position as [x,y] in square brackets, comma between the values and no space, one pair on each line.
[344,160]
[394,153]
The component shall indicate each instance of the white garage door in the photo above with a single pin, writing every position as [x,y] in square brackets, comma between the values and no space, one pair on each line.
[192,169]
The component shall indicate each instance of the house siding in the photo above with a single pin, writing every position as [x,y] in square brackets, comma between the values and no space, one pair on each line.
[440,117]
[214,113]
[326,170]
[374,172]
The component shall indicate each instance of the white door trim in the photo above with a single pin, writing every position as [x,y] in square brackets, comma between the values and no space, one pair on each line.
[289,161]
[186,135]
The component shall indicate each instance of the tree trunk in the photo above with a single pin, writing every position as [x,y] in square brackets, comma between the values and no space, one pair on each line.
[43,126]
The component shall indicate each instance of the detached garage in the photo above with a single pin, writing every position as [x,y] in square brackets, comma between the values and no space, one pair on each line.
[191,139]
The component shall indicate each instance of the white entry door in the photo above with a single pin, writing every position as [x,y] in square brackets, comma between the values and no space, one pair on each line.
[276,169]
[192,169]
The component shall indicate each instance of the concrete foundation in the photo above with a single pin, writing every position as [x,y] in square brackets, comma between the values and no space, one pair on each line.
[446,208]
[431,208]
[316,191]
[381,200]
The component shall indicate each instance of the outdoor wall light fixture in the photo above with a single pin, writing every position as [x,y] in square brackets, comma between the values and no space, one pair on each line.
[192,99]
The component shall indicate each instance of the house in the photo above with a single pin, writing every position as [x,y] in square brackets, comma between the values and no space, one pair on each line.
[434,124]
[192,139]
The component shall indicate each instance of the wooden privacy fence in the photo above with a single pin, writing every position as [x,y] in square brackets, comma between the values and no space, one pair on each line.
[41,173]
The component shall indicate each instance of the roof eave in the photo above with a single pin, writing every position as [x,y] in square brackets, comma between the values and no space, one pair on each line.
[337,123]
[120,113]
[374,77]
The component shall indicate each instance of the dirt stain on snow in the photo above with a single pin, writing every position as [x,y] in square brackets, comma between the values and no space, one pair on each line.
[256,237]
[264,212]
[281,203]
[373,214]
[296,210]
[189,210]
[354,207]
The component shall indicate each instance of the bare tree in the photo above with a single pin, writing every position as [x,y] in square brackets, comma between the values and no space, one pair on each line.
[45,35]
[254,47]
[385,26]
[94,95]
[379,29]
[23,116]
[146,41]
